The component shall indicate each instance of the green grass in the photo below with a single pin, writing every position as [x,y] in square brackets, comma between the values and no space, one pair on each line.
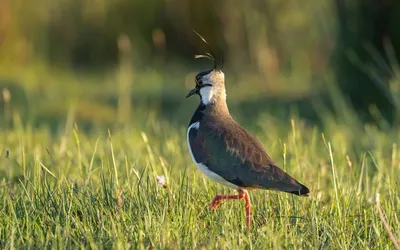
[60,190]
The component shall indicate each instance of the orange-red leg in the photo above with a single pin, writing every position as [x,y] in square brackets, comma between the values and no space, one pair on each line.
[248,210]
[242,194]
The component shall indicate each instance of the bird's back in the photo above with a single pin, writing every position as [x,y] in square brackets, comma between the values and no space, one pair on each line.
[239,157]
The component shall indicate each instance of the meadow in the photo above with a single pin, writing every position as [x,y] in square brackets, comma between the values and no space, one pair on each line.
[74,176]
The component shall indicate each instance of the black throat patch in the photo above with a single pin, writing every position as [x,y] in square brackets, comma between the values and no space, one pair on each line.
[198,114]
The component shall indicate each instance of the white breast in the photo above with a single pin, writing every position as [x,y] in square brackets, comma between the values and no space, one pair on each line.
[203,168]
[206,94]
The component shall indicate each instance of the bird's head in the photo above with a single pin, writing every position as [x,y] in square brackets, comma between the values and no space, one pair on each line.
[210,84]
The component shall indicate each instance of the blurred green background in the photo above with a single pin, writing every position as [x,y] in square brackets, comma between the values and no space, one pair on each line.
[106,63]
[92,101]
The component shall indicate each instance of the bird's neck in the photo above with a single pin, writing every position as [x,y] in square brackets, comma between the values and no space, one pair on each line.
[217,109]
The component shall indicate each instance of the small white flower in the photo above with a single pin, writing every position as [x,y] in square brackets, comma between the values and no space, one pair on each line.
[161,181]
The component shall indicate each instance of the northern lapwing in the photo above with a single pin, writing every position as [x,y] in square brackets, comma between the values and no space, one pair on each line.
[224,151]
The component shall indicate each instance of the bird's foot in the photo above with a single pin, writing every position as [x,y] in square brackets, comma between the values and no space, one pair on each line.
[242,194]
[215,202]
[219,198]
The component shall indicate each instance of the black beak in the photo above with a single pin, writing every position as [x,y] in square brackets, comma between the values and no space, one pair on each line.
[191,92]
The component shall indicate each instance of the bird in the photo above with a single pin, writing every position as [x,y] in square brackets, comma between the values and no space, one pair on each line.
[225,151]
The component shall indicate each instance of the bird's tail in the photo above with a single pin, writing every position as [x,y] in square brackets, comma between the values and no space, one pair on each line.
[302,191]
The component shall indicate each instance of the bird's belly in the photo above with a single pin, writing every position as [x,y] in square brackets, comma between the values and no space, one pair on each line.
[213,176]
[203,168]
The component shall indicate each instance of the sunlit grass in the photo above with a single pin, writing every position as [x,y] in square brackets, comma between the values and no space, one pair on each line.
[61,190]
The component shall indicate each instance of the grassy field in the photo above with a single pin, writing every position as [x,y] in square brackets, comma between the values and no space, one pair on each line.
[61,188]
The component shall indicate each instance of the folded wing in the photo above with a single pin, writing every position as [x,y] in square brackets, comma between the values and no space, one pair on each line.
[234,154]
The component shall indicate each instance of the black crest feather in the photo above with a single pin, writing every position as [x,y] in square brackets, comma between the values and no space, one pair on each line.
[209,55]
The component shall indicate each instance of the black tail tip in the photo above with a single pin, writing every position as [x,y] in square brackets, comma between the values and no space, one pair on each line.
[303,191]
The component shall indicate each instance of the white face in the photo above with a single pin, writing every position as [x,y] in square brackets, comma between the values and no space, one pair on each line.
[208,93]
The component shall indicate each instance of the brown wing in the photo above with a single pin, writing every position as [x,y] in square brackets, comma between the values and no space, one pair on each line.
[230,151]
